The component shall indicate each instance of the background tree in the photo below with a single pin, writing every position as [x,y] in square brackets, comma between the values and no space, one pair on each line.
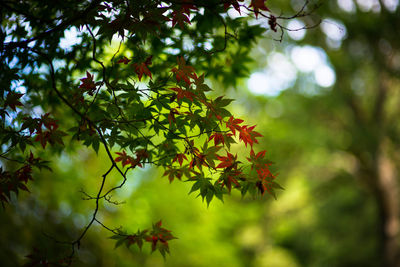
[366,62]
[341,137]
[94,92]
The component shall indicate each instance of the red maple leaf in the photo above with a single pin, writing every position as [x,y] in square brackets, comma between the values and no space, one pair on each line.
[42,137]
[48,122]
[32,158]
[264,172]
[181,93]
[179,16]
[227,162]
[132,239]
[234,3]
[136,162]
[51,136]
[124,158]
[248,136]
[142,154]
[142,68]
[198,160]
[171,115]
[230,178]
[172,173]
[24,174]
[257,5]
[233,124]
[219,138]
[87,83]
[124,60]
[159,237]
[184,72]
[179,157]
[187,5]
[266,182]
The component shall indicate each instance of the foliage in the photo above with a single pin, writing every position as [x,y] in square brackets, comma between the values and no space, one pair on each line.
[119,88]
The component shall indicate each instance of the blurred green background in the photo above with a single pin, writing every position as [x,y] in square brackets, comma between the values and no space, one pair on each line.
[327,102]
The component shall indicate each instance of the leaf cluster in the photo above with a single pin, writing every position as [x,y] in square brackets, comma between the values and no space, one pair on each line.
[130,84]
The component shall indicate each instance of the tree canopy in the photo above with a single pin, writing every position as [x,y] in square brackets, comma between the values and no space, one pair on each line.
[129,79]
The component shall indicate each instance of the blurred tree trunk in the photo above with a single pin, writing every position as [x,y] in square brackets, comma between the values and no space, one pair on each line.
[379,172]
[387,195]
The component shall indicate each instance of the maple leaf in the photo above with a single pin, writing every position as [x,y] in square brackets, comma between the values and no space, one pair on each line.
[187,5]
[32,158]
[52,136]
[12,100]
[233,124]
[229,178]
[24,174]
[133,239]
[194,150]
[35,125]
[221,138]
[227,162]
[136,162]
[159,238]
[257,5]
[265,177]
[48,122]
[234,3]
[268,185]
[142,154]
[254,158]
[210,154]
[142,68]
[152,18]
[171,115]
[264,172]
[87,83]
[179,157]
[218,138]
[172,173]
[184,72]
[179,17]
[124,60]
[181,93]
[199,160]
[248,136]
[124,158]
